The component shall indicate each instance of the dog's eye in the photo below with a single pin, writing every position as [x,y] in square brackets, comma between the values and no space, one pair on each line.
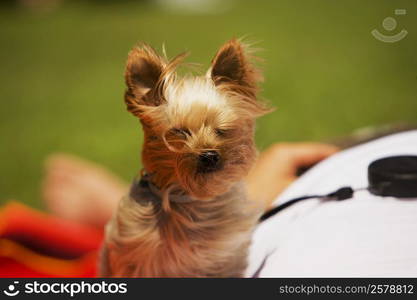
[221,132]
[181,132]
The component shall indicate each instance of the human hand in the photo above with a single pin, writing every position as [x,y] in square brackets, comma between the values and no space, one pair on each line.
[277,167]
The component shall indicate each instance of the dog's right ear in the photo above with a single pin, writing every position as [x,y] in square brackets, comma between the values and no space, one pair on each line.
[232,66]
[144,74]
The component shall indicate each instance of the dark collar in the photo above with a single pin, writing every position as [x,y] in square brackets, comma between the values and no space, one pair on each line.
[143,190]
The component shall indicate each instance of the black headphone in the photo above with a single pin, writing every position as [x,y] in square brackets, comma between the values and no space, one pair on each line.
[394,176]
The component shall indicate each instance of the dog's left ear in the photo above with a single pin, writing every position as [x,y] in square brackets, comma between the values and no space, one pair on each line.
[232,66]
[144,72]
[147,73]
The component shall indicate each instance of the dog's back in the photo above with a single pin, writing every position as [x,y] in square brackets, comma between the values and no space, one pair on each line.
[199,239]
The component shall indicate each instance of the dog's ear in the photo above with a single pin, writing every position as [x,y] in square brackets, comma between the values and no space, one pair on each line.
[144,77]
[232,66]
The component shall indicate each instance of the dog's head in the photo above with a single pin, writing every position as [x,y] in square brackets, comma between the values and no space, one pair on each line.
[198,130]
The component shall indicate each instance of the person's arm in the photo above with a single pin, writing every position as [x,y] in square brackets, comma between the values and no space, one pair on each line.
[277,168]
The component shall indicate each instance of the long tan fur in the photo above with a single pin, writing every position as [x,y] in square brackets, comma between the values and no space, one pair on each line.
[209,235]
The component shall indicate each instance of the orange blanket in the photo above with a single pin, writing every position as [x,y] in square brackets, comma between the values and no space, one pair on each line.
[34,244]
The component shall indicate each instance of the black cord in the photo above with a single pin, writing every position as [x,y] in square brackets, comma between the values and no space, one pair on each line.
[340,194]
[394,176]
[278,208]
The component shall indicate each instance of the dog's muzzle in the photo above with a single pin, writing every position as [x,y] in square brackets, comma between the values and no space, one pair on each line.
[209,161]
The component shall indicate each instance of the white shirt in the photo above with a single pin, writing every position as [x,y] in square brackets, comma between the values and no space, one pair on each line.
[366,236]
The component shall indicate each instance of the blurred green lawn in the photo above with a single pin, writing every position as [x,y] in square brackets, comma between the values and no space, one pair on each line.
[61,75]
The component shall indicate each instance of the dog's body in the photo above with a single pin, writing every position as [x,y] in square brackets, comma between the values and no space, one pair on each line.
[212,243]
[189,215]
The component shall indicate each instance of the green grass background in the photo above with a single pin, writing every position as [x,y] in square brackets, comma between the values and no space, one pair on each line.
[61,75]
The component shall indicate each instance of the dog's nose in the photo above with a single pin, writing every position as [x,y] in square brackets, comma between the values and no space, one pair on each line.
[209,161]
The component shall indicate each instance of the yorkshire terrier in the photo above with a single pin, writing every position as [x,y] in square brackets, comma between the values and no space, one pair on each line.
[188,215]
